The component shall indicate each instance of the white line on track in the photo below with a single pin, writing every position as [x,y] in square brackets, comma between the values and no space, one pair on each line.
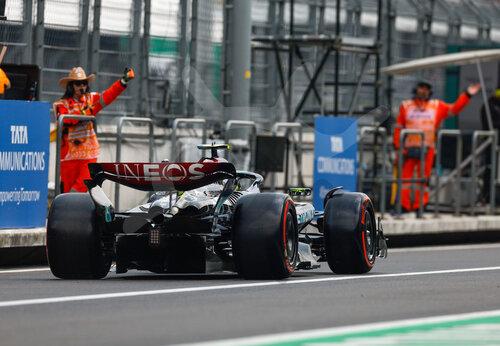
[11,271]
[361,328]
[35,301]
[445,248]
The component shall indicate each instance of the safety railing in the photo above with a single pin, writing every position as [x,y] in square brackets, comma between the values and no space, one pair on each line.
[59,140]
[492,136]
[383,180]
[243,123]
[175,127]
[119,140]
[458,156]
[294,126]
[420,180]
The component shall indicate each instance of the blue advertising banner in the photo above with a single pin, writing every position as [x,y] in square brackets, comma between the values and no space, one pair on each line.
[335,151]
[24,163]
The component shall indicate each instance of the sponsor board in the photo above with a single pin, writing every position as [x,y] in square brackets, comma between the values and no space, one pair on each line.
[24,160]
[335,151]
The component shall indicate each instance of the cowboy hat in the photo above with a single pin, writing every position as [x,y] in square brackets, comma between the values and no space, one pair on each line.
[77,73]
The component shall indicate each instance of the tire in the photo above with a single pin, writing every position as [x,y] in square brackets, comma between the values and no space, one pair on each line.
[350,233]
[265,236]
[74,245]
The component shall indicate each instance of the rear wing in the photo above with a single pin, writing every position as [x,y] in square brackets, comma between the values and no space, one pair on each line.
[161,176]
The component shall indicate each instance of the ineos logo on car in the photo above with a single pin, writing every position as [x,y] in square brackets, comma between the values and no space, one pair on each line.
[155,172]
[172,168]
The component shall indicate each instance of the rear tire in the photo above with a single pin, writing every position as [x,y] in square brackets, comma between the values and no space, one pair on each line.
[350,233]
[265,236]
[74,244]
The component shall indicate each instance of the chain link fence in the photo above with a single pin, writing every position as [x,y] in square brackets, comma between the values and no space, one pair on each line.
[177,49]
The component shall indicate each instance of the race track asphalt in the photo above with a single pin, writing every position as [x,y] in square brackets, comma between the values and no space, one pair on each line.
[140,308]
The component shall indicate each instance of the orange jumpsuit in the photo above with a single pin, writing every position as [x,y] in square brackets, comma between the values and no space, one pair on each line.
[79,143]
[423,115]
[4,81]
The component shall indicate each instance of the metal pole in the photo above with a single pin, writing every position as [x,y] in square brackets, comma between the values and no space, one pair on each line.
[94,45]
[377,56]
[473,174]
[59,140]
[391,17]
[436,172]
[306,70]
[458,157]
[38,48]
[337,61]
[399,177]
[240,63]
[84,33]
[459,175]
[377,130]
[144,89]
[493,171]
[290,69]
[297,126]
[271,76]
[175,126]
[119,139]
[485,97]
[193,57]
[475,137]
[279,66]
[312,81]
[243,123]
[403,134]
[182,56]
[354,100]
[136,56]
[28,31]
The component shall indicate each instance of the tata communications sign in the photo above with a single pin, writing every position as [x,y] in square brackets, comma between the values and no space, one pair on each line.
[24,163]
[335,153]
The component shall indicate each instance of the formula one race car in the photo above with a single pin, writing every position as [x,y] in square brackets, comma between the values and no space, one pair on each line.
[204,217]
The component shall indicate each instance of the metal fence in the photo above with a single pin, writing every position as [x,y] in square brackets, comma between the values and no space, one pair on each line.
[177,48]
[180,52]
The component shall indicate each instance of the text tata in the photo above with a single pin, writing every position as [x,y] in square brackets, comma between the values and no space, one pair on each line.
[157,172]
[19,134]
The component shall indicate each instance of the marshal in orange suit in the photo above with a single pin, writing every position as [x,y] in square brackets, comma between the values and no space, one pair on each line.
[424,114]
[79,144]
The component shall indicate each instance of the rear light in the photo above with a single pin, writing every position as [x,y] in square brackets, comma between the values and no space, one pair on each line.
[154,236]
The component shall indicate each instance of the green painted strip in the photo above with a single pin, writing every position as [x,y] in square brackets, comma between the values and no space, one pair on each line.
[482,331]
[164,45]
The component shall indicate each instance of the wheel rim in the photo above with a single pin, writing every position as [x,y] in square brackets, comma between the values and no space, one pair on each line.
[290,238]
[369,235]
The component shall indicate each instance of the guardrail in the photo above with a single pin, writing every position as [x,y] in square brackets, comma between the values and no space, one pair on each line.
[420,180]
[57,188]
[383,181]
[286,125]
[492,135]
[175,126]
[243,123]
[119,139]
[458,156]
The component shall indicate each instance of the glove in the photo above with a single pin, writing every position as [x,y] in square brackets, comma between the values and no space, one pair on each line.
[87,110]
[128,74]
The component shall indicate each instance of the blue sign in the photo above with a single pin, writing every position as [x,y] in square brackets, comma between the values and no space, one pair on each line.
[24,163]
[335,151]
